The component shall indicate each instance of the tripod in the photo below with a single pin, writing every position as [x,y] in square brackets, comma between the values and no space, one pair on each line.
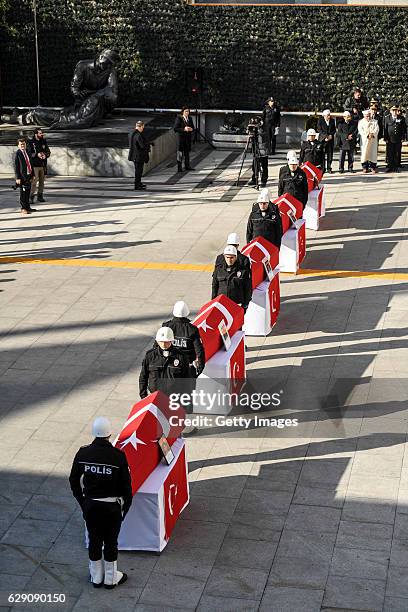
[251,145]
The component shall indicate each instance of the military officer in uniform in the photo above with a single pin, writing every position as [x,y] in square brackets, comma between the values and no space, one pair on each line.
[265,220]
[100,482]
[163,365]
[312,150]
[293,180]
[232,279]
[395,132]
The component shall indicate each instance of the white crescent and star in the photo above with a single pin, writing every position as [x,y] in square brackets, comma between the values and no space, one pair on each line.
[133,440]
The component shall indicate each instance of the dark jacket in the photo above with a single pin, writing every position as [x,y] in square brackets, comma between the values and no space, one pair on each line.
[313,152]
[138,147]
[325,129]
[344,130]
[395,131]
[161,369]
[36,146]
[183,138]
[20,167]
[267,224]
[360,105]
[271,116]
[243,260]
[101,470]
[262,148]
[187,340]
[232,281]
[294,183]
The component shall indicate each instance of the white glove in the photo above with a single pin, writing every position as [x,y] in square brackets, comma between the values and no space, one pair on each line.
[276,131]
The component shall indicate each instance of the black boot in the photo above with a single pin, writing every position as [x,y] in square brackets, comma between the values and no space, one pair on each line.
[187,162]
[179,167]
[40,198]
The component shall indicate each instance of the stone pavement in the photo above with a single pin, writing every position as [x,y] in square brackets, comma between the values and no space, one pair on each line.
[315,518]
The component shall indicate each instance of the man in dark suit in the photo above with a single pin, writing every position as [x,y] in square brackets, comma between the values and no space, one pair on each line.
[138,153]
[326,127]
[271,119]
[24,173]
[38,151]
[347,139]
[395,131]
[312,150]
[184,129]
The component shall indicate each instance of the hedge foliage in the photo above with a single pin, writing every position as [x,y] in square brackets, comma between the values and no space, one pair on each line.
[308,57]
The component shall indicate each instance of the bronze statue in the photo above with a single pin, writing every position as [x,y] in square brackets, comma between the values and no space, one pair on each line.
[94,86]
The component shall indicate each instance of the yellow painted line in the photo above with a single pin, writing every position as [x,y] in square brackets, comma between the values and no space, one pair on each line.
[152,265]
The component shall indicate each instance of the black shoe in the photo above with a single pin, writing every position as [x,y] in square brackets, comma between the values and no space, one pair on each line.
[263,185]
[140,187]
[389,170]
[331,171]
[189,168]
[341,171]
[351,170]
[96,585]
[40,198]
[179,168]
[251,182]
[32,209]
[121,581]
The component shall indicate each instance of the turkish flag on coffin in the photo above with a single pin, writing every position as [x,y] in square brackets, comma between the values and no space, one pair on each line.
[258,250]
[274,298]
[175,493]
[290,208]
[301,238]
[209,318]
[147,421]
[314,175]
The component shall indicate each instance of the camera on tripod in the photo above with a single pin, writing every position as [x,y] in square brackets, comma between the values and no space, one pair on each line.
[253,125]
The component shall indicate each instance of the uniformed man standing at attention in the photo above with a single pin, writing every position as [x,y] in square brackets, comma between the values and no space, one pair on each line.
[293,180]
[395,131]
[243,260]
[232,279]
[265,220]
[100,482]
[164,368]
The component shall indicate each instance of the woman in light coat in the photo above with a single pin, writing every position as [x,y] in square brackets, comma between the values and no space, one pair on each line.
[368,129]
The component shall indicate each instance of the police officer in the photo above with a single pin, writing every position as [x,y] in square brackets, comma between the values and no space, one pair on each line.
[100,482]
[232,279]
[293,180]
[271,118]
[312,150]
[163,365]
[187,338]
[243,260]
[265,220]
[395,131]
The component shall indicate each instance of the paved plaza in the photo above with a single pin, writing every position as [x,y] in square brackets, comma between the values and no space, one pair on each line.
[315,518]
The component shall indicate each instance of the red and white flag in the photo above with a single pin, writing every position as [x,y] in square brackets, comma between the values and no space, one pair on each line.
[290,209]
[175,493]
[147,421]
[259,250]
[211,316]
[313,173]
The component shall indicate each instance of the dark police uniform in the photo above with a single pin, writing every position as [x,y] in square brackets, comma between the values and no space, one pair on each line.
[312,151]
[347,145]
[395,131]
[232,281]
[327,129]
[187,340]
[294,183]
[161,370]
[100,471]
[243,260]
[266,223]
[139,154]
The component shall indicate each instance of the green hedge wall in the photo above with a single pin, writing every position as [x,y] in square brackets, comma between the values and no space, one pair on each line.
[308,57]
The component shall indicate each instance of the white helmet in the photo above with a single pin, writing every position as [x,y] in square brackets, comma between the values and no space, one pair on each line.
[293,160]
[311,132]
[233,239]
[230,250]
[291,153]
[101,427]
[165,334]
[181,309]
[264,195]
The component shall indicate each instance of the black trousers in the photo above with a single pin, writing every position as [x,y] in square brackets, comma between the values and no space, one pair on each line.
[262,169]
[350,159]
[270,138]
[25,190]
[138,172]
[328,154]
[103,521]
[183,154]
[394,155]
